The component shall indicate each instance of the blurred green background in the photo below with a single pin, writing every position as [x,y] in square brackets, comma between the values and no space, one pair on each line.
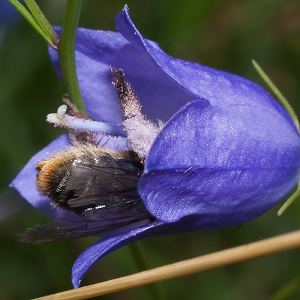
[222,34]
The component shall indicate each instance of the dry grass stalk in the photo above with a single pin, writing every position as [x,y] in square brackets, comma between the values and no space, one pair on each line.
[199,264]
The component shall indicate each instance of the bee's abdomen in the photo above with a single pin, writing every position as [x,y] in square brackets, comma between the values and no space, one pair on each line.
[90,181]
[52,176]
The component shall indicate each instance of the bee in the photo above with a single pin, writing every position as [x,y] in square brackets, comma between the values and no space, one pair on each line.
[97,184]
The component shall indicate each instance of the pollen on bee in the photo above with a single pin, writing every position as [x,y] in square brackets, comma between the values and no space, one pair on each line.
[141,132]
[46,177]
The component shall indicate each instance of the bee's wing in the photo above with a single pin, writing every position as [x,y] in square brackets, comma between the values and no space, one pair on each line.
[61,230]
[106,189]
[104,193]
[51,232]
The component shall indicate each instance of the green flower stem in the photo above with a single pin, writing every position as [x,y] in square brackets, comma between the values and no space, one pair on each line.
[67,52]
[278,94]
[41,20]
[288,291]
[289,201]
[139,258]
[285,103]
[30,19]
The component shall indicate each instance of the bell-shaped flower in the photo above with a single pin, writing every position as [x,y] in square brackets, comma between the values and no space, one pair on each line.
[227,152]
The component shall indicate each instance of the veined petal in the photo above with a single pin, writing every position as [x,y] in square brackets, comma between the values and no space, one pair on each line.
[235,161]
[159,80]
[93,53]
[198,81]
[219,198]
[106,245]
[96,51]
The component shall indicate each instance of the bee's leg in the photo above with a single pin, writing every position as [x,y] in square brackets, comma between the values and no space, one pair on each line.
[141,132]
[103,140]
[78,138]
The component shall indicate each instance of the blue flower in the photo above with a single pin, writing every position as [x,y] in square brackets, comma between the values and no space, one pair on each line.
[227,153]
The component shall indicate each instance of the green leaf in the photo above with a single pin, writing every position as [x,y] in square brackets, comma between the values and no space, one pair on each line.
[41,20]
[27,15]
[67,52]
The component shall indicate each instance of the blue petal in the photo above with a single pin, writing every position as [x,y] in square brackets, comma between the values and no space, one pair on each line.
[163,83]
[106,245]
[25,182]
[93,49]
[8,14]
[229,164]
[198,81]
[96,50]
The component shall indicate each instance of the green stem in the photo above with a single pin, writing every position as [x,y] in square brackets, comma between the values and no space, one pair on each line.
[278,94]
[139,258]
[42,20]
[285,103]
[67,52]
[29,18]
[288,291]
[289,201]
